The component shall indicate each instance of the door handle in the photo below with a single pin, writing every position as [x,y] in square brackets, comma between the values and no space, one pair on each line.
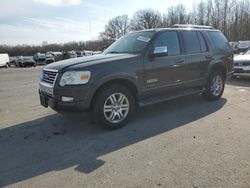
[208,56]
[179,61]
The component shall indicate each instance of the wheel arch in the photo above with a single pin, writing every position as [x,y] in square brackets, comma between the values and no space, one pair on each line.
[220,66]
[128,83]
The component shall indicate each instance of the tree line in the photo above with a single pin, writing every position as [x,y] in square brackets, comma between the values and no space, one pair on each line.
[232,17]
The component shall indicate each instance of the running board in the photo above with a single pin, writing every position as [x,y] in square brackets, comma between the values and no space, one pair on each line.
[155,100]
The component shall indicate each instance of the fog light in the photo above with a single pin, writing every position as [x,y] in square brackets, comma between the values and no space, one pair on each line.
[67,99]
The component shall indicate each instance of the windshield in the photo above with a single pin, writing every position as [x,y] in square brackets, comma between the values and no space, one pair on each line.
[247,52]
[131,43]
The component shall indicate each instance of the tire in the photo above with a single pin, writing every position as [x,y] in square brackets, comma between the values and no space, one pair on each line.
[215,86]
[7,65]
[111,115]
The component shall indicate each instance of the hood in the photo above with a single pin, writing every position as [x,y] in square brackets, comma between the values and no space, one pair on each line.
[88,60]
[242,58]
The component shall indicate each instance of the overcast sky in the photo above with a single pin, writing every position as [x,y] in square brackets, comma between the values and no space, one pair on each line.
[59,21]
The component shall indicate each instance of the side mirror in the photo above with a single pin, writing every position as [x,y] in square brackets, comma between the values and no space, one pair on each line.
[160,51]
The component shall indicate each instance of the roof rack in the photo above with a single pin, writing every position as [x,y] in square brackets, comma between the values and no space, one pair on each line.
[192,26]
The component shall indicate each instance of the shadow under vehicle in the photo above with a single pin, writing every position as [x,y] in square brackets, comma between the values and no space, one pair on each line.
[56,143]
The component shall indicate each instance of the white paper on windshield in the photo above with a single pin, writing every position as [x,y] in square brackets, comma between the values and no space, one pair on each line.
[143,39]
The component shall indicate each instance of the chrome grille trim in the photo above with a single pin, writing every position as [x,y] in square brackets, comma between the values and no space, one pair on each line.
[49,76]
[242,63]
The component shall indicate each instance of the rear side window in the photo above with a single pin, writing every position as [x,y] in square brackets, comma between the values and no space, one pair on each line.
[191,42]
[202,42]
[169,39]
[219,40]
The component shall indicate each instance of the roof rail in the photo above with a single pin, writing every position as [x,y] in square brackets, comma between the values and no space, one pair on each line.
[192,26]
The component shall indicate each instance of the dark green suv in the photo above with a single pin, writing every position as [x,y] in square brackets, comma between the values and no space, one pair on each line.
[139,69]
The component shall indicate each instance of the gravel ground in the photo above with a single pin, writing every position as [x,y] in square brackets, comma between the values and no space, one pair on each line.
[187,142]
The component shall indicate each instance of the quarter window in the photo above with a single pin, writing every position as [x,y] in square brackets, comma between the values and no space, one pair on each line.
[169,39]
[219,40]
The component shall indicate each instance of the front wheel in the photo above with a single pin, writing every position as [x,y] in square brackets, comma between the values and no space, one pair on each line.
[215,86]
[113,106]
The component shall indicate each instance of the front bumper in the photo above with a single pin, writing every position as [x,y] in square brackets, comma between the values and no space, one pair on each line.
[241,70]
[52,97]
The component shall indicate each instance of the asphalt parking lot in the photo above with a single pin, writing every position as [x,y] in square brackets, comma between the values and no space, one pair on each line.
[187,142]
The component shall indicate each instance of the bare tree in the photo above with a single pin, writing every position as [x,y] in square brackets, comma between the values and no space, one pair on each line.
[176,15]
[146,19]
[201,13]
[116,28]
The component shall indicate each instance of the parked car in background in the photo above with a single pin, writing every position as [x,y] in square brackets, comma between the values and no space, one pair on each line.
[25,61]
[49,58]
[40,58]
[243,45]
[58,56]
[87,53]
[234,46]
[242,64]
[97,52]
[4,60]
[79,53]
[13,60]
[141,68]
[69,55]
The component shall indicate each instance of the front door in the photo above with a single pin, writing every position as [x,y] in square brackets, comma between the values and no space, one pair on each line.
[164,73]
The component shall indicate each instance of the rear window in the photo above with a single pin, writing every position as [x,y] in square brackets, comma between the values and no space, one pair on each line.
[202,42]
[219,40]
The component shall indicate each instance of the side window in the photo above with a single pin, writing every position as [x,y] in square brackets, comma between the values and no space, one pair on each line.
[169,39]
[191,42]
[202,42]
[219,40]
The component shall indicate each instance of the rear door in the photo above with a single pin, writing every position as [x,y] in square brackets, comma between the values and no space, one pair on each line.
[197,58]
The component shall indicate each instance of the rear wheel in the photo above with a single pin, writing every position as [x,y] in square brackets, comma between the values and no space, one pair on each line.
[113,106]
[215,86]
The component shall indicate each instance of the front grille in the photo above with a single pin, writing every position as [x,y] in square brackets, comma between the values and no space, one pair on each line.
[49,76]
[243,63]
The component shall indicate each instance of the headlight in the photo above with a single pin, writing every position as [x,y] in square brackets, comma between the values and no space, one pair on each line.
[75,78]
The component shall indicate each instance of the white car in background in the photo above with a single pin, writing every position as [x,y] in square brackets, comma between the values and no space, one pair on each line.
[243,45]
[87,53]
[242,64]
[4,60]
